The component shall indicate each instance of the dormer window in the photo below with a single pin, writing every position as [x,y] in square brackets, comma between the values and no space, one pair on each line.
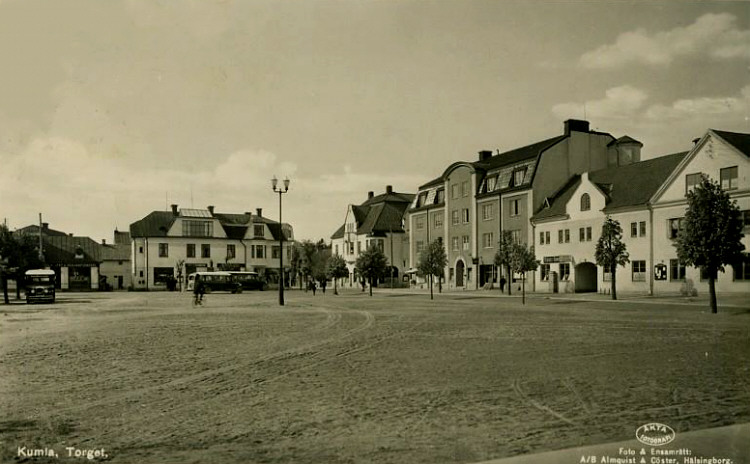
[518,176]
[585,202]
[491,183]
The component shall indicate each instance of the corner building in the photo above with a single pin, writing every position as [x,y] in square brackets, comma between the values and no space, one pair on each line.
[472,202]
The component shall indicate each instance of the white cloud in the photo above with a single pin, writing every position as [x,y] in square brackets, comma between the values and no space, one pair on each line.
[714,35]
[618,103]
[737,106]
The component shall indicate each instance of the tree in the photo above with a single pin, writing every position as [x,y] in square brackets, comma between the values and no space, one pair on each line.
[372,265]
[712,232]
[611,251]
[432,261]
[21,253]
[335,270]
[523,260]
[505,247]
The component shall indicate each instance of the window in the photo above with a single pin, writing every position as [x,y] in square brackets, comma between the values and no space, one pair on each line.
[728,178]
[704,273]
[422,199]
[231,252]
[259,230]
[454,191]
[642,227]
[674,226]
[585,202]
[607,276]
[140,250]
[440,196]
[491,183]
[518,176]
[197,228]
[420,246]
[545,271]
[190,251]
[742,268]
[564,271]
[465,215]
[541,238]
[691,180]
[560,236]
[260,251]
[454,217]
[438,219]
[275,252]
[162,275]
[567,235]
[465,188]
[488,240]
[205,251]
[419,222]
[163,250]
[359,247]
[516,235]
[351,248]
[514,207]
[588,234]
[546,236]
[582,234]
[639,271]
[454,244]
[337,250]
[676,270]
[487,211]
[633,229]
[465,242]
[745,218]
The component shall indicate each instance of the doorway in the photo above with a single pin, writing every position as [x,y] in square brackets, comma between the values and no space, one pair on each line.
[585,277]
[460,273]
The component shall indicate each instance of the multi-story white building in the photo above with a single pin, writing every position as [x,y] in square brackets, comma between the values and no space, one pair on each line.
[204,240]
[648,200]
[379,221]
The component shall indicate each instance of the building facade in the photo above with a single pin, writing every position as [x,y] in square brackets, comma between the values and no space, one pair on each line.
[379,221]
[176,243]
[469,205]
[648,199]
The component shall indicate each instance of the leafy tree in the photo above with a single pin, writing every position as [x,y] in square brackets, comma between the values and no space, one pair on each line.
[523,260]
[432,262]
[295,262]
[505,247]
[335,270]
[712,232]
[21,253]
[372,265]
[611,251]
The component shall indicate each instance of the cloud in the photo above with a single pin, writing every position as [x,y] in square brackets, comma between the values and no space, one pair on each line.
[703,107]
[713,35]
[618,103]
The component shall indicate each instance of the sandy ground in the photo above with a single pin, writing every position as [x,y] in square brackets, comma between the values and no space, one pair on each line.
[395,378]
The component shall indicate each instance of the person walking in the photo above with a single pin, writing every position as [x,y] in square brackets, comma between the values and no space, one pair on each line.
[313,287]
[502,284]
[199,289]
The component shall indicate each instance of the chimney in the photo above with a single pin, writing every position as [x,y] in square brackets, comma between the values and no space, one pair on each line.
[259,212]
[696,140]
[70,234]
[104,241]
[210,209]
[388,189]
[577,125]
[45,226]
[370,195]
[174,210]
[485,155]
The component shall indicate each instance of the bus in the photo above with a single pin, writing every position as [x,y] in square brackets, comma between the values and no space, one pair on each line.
[218,281]
[248,280]
[40,285]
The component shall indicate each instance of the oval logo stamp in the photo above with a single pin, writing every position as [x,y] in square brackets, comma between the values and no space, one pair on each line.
[654,434]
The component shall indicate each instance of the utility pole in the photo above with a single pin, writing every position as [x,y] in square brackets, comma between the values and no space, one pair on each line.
[41,251]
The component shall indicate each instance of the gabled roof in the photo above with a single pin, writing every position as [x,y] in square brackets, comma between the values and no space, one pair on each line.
[390,197]
[114,253]
[156,224]
[339,232]
[436,181]
[738,140]
[624,139]
[379,214]
[34,230]
[63,250]
[623,186]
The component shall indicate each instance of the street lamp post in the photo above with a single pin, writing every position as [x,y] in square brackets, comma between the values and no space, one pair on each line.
[277,188]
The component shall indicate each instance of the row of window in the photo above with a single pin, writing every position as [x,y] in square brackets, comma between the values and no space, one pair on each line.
[192,228]
[462,216]
[727,177]
[256,251]
[563,236]
[563,271]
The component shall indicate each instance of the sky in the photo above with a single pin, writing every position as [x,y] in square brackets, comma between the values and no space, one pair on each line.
[111,110]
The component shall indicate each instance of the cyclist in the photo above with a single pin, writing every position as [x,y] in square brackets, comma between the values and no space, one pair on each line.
[199,289]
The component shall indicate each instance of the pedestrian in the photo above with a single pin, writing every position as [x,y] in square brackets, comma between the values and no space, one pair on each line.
[313,287]
[323,286]
[502,284]
[199,289]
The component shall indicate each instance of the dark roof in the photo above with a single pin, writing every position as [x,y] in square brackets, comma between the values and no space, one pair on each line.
[115,252]
[122,238]
[34,230]
[380,214]
[518,154]
[156,224]
[629,185]
[275,229]
[436,181]
[739,140]
[63,250]
[624,139]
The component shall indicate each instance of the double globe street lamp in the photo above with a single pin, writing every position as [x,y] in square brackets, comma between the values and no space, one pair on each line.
[280,190]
